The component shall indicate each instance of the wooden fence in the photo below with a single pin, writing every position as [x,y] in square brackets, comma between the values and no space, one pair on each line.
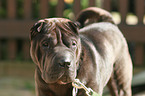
[14,31]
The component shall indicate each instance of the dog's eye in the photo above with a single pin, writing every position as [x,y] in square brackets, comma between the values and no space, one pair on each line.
[45,44]
[74,43]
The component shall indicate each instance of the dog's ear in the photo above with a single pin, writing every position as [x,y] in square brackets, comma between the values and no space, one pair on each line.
[74,26]
[36,29]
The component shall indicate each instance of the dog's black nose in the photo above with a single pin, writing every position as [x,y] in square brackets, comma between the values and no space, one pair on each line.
[64,63]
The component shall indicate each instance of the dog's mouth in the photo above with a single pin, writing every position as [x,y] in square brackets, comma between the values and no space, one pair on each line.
[60,78]
[61,82]
[64,80]
[51,77]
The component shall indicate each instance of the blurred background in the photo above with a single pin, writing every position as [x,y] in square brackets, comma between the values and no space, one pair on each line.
[18,16]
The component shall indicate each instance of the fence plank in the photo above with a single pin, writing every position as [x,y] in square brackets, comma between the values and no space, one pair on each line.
[12,47]
[76,6]
[20,29]
[26,48]
[133,33]
[27,9]
[11,7]
[123,9]
[140,9]
[139,54]
[106,4]
[92,2]
[15,28]
[44,8]
[60,8]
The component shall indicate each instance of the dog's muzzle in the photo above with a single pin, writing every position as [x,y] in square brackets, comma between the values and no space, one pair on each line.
[64,59]
[62,67]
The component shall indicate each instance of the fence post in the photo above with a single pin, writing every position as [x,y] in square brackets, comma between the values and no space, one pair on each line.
[26,48]
[123,9]
[0,50]
[76,7]
[12,49]
[27,9]
[106,4]
[92,3]
[60,8]
[139,54]
[140,9]
[44,8]
[11,7]
[0,3]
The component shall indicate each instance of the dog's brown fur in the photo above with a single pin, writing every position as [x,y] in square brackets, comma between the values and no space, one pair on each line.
[96,54]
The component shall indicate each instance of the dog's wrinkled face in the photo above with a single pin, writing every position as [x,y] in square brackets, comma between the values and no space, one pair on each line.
[55,48]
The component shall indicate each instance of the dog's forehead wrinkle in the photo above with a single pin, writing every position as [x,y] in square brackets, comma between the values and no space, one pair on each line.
[49,35]
[40,27]
[59,35]
[58,23]
[41,21]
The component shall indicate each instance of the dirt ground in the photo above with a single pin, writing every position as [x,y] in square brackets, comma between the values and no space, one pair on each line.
[17,79]
[14,86]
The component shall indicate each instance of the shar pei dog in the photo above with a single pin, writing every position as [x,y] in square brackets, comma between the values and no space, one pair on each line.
[92,49]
